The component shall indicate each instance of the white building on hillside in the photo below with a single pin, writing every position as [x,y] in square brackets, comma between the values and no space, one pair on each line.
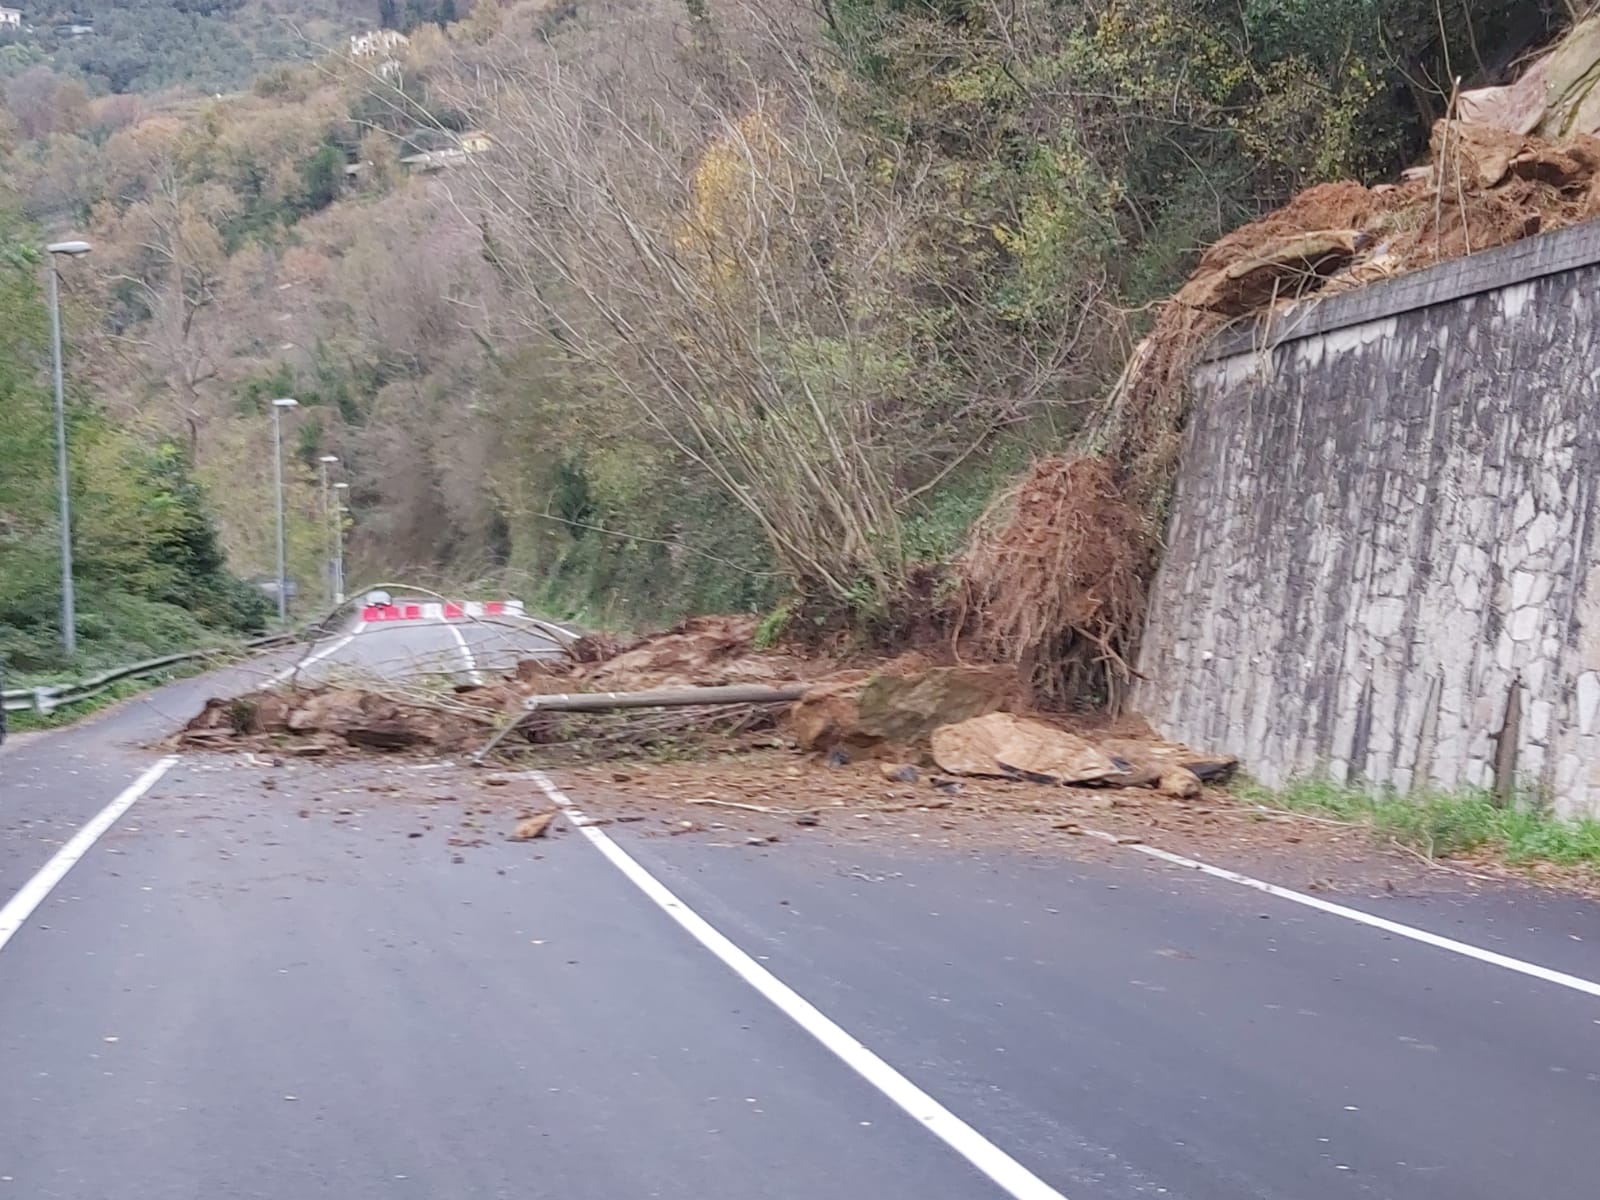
[377,43]
[10,18]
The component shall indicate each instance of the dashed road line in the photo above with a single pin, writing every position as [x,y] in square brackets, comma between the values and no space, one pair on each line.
[315,656]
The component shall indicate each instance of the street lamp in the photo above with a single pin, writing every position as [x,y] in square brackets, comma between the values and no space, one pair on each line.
[339,511]
[278,406]
[69,607]
[323,463]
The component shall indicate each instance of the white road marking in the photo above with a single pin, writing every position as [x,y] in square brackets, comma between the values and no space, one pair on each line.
[1011,1176]
[466,653]
[315,656]
[1534,970]
[33,893]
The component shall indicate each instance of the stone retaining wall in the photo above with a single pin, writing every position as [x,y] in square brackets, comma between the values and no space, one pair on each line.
[1381,556]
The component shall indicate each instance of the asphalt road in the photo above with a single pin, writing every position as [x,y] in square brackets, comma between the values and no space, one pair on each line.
[226,998]
[52,783]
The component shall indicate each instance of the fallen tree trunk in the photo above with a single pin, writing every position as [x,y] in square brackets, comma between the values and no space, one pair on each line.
[666,697]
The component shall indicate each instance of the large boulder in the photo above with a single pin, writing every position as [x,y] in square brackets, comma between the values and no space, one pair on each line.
[898,708]
[1002,745]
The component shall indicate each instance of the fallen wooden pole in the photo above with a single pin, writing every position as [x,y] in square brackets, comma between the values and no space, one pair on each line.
[663,697]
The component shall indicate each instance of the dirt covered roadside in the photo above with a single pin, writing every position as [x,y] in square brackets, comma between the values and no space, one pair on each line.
[462,815]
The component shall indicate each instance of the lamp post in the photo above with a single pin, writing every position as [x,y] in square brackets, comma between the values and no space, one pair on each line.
[323,463]
[69,607]
[340,490]
[278,407]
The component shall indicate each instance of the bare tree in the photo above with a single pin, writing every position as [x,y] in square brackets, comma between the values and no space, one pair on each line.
[172,264]
[789,299]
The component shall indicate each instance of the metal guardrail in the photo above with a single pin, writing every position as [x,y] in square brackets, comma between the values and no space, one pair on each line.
[51,697]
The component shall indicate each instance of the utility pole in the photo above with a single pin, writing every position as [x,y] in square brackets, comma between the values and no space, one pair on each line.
[340,490]
[69,604]
[328,515]
[278,406]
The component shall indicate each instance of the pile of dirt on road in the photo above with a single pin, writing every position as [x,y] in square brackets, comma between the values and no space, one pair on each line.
[321,720]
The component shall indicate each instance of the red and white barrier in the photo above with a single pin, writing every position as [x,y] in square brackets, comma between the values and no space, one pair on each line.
[448,610]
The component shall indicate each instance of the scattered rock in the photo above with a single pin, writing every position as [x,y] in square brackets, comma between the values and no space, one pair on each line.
[533,827]
[898,773]
[1180,782]
[808,819]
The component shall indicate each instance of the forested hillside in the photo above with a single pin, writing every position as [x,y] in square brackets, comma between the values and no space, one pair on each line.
[150,570]
[738,302]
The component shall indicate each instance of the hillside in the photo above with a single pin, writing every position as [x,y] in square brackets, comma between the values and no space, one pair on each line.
[144,46]
[740,306]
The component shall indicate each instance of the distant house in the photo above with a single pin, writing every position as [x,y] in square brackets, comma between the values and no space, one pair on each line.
[10,18]
[377,43]
[474,142]
[450,156]
[75,29]
[434,160]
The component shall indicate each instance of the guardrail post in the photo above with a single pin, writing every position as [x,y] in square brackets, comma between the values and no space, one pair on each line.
[43,700]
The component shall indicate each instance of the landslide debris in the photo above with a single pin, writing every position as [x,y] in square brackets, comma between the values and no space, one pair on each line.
[908,713]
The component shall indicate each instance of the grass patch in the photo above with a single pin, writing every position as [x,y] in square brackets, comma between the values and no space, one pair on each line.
[1443,824]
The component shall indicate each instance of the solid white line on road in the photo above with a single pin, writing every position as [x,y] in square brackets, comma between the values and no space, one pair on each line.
[1534,970]
[32,894]
[1012,1177]
[466,653]
[315,656]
